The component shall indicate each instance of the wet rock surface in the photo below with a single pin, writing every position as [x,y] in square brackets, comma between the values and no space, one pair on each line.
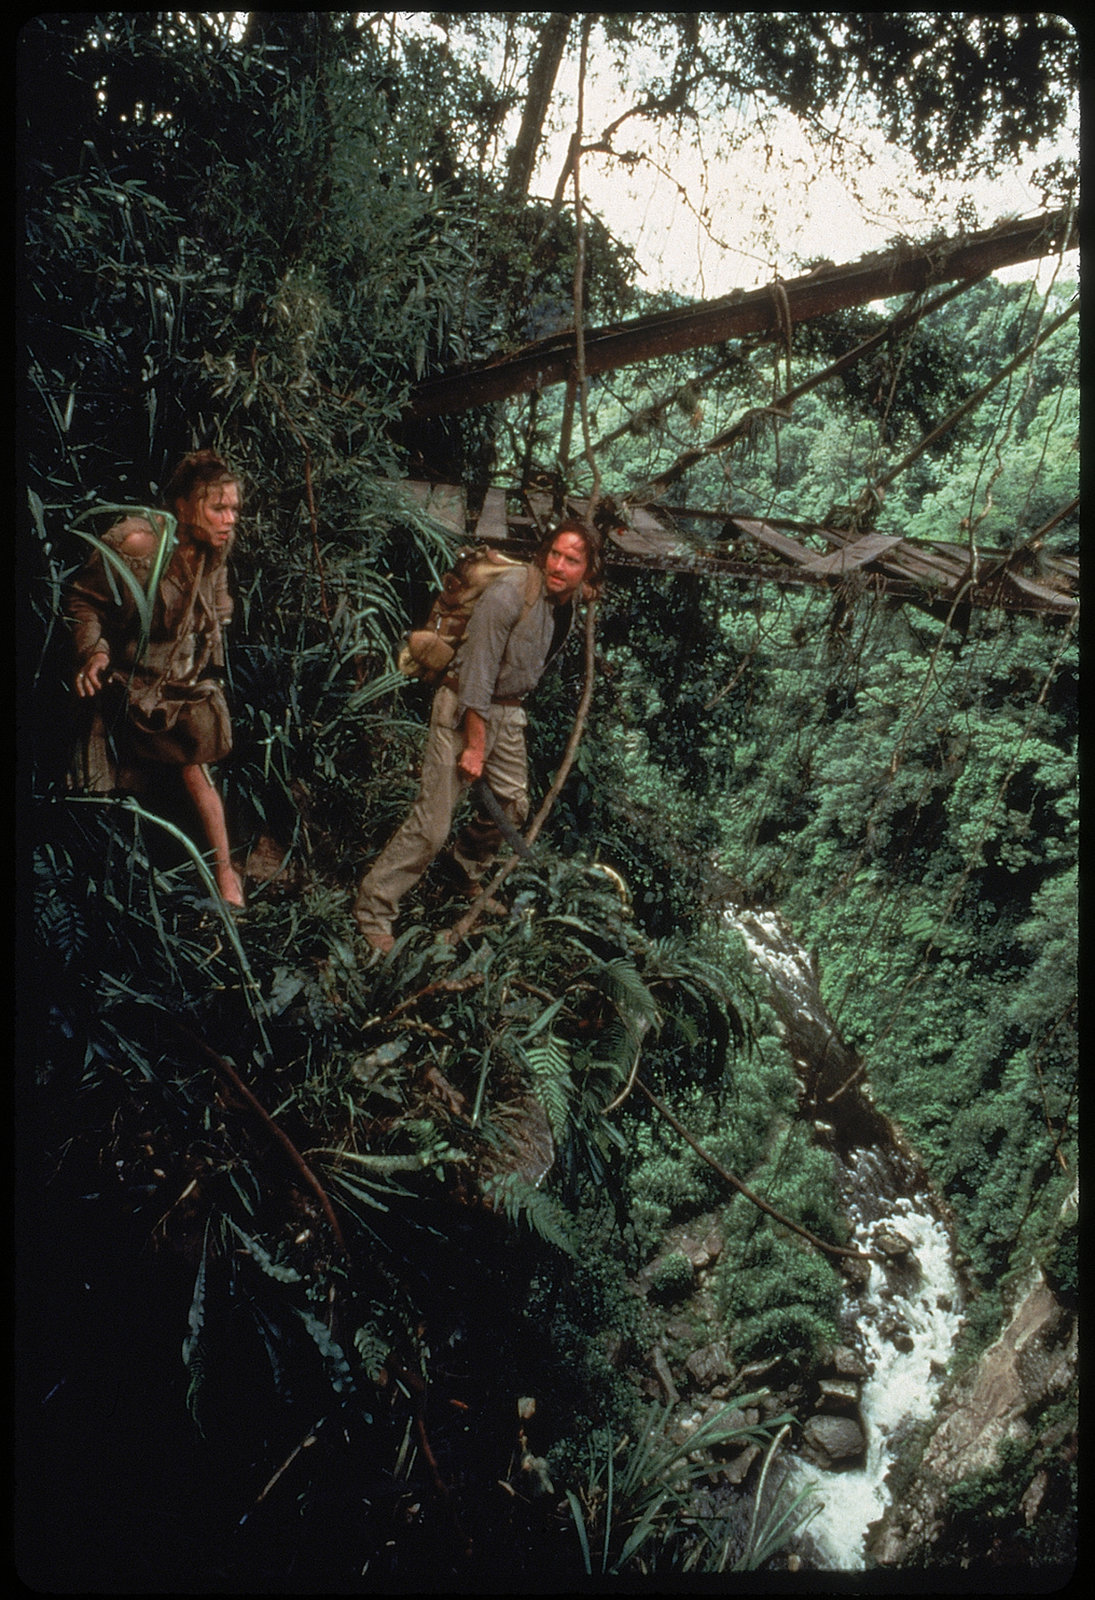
[834,1442]
[1032,1363]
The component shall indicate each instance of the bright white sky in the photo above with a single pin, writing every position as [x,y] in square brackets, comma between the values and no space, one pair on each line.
[817,215]
[766,214]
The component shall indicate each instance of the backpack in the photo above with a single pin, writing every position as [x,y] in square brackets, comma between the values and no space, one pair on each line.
[428,652]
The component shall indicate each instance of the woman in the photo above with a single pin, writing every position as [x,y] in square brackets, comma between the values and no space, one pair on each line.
[152,706]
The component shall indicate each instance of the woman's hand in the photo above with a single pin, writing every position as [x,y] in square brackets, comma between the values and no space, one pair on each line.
[89,679]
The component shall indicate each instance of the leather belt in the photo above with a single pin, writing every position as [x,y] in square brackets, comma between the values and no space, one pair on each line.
[453,683]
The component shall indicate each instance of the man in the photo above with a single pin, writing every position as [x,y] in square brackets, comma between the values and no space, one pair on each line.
[477,725]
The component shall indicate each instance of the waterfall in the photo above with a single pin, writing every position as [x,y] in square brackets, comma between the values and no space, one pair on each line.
[906,1317]
[903,1320]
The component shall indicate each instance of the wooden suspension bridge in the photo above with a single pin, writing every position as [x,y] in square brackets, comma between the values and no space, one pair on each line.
[645,530]
[933,575]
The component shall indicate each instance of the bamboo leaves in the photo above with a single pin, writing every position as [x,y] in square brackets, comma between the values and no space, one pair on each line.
[143,595]
[635,1509]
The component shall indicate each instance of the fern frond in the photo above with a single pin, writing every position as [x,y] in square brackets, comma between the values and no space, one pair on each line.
[193,1350]
[357,1191]
[273,1269]
[272,1335]
[60,922]
[373,1349]
[338,1369]
[549,1070]
[635,1002]
[521,1201]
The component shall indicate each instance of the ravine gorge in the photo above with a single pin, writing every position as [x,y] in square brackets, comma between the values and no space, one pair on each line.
[702,1214]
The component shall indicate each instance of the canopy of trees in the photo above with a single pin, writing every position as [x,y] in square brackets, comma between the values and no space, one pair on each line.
[391,1213]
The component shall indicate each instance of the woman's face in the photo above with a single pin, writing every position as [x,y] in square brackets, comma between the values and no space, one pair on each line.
[210,513]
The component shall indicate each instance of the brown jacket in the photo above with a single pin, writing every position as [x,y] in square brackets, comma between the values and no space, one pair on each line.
[185,638]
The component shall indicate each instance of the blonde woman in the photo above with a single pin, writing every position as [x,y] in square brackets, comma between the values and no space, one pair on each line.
[152,702]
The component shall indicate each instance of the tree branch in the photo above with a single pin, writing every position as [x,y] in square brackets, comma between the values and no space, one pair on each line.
[229,1074]
[736,1183]
[908,269]
[541,82]
[579,281]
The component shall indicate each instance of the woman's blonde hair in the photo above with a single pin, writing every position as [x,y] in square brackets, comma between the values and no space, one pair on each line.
[201,469]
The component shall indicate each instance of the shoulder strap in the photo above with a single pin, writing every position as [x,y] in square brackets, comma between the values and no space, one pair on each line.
[534,585]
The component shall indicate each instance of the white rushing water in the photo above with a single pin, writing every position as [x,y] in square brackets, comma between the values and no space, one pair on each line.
[918,1303]
[775,950]
[905,1318]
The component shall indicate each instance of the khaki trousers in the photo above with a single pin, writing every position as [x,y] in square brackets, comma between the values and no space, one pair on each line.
[415,844]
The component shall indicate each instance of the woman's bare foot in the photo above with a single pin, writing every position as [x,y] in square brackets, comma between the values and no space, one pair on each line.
[230,885]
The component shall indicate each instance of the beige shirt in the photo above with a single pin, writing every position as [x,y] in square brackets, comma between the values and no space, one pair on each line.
[503,652]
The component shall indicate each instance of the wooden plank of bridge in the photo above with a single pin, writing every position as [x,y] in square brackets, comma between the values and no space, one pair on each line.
[1050,599]
[492,525]
[777,542]
[647,534]
[852,556]
[651,537]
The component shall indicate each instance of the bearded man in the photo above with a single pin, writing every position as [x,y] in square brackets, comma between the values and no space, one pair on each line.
[477,725]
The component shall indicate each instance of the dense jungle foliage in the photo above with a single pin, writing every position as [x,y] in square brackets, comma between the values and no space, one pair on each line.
[329,1264]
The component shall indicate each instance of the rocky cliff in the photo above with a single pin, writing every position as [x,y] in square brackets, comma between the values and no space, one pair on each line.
[992,1482]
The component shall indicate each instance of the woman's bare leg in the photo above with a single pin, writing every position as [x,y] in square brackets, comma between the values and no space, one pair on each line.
[210,808]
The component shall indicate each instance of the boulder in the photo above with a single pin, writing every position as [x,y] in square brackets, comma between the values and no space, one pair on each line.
[736,1470]
[890,1242]
[835,1443]
[897,1332]
[769,1374]
[848,1363]
[1033,1362]
[708,1364]
[838,1394]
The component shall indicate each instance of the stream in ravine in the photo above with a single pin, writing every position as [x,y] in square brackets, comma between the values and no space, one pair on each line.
[903,1320]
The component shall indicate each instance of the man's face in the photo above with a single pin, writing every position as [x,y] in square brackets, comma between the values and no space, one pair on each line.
[565,567]
[211,513]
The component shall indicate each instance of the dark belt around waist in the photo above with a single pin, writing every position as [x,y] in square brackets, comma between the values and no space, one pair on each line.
[453,683]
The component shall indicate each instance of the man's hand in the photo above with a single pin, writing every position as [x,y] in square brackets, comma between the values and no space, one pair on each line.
[89,679]
[470,764]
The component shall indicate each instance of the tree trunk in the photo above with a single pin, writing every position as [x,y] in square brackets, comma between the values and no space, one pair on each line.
[522,158]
